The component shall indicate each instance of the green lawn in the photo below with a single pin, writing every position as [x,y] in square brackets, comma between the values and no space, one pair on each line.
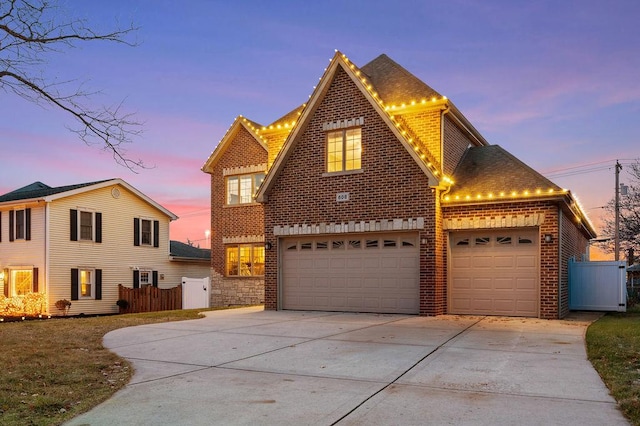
[613,347]
[57,368]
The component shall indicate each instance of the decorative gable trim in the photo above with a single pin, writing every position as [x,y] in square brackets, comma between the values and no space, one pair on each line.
[243,239]
[243,170]
[343,124]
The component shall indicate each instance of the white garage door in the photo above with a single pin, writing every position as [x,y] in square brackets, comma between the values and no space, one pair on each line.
[356,273]
[494,272]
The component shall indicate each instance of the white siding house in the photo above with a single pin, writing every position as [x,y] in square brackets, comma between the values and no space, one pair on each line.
[78,242]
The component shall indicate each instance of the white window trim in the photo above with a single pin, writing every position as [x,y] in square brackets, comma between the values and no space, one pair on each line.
[148,281]
[142,220]
[93,225]
[93,284]
[24,224]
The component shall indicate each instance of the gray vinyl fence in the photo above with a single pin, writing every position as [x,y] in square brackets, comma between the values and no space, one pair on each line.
[598,286]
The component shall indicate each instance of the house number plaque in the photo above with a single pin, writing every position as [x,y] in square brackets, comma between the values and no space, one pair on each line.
[342,196]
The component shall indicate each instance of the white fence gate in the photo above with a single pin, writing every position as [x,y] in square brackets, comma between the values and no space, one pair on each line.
[597,286]
[195,293]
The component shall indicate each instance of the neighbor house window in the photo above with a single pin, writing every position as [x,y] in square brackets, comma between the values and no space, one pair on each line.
[20,224]
[85,225]
[344,150]
[242,188]
[245,260]
[22,281]
[146,232]
[87,286]
[145,278]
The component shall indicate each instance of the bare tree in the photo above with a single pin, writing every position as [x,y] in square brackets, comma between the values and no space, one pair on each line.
[629,214]
[30,30]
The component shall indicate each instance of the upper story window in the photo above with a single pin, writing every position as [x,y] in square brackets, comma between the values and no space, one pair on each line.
[85,226]
[242,188]
[344,150]
[146,232]
[20,224]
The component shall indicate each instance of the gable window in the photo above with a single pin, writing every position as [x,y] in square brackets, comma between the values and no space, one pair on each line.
[344,150]
[20,224]
[85,226]
[242,188]
[146,232]
[245,260]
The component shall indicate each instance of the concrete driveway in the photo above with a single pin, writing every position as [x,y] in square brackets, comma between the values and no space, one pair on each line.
[249,366]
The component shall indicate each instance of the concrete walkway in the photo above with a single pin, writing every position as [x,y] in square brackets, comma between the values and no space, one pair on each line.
[254,367]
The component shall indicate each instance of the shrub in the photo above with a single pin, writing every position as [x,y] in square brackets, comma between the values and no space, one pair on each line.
[64,305]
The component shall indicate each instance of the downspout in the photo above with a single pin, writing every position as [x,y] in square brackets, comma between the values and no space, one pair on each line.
[560,263]
[46,252]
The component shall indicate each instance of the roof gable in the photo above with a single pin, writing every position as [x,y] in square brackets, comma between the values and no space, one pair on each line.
[49,194]
[240,122]
[367,89]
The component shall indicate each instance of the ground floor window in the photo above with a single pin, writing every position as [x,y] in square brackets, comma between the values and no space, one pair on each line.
[245,260]
[86,283]
[22,280]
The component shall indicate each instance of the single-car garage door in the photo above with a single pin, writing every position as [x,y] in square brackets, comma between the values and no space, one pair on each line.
[356,273]
[494,272]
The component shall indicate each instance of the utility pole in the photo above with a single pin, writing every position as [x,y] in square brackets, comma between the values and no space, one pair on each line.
[617,206]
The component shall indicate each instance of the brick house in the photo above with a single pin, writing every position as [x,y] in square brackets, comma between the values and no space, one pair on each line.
[378,195]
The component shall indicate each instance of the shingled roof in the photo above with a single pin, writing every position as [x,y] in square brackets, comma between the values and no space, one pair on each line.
[394,83]
[39,190]
[492,170]
[185,251]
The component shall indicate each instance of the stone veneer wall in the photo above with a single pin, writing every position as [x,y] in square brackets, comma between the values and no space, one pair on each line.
[236,291]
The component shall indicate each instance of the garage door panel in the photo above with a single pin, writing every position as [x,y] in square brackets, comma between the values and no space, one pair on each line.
[494,272]
[503,261]
[526,261]
[373,273]
[481,261]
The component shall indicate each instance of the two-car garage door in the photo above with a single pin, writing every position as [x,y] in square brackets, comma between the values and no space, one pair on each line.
[357,273]
[494,272]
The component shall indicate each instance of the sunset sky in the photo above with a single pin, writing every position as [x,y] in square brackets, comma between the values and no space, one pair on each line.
[556,83]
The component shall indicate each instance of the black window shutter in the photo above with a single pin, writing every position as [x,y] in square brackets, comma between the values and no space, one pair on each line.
[155,278]
[34,278]
[73,219]
[27,224]
[136,278]
[136,231]
[6,282]
[98,227]
[156,233]
[11,230]
[74,283]
[98,284]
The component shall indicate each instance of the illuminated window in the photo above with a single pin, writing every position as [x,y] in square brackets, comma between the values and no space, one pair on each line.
[242,189]
[87,287]
[245,260]
[21,281]
[344,150]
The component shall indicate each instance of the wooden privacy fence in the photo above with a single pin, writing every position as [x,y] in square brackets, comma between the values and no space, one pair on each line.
[150,299]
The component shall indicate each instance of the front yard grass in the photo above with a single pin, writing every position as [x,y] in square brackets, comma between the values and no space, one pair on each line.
[55,369]
[613,347]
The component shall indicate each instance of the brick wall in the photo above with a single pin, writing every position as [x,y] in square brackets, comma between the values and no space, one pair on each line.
[233,221]
[391,184]
[426,124]
[573,244]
